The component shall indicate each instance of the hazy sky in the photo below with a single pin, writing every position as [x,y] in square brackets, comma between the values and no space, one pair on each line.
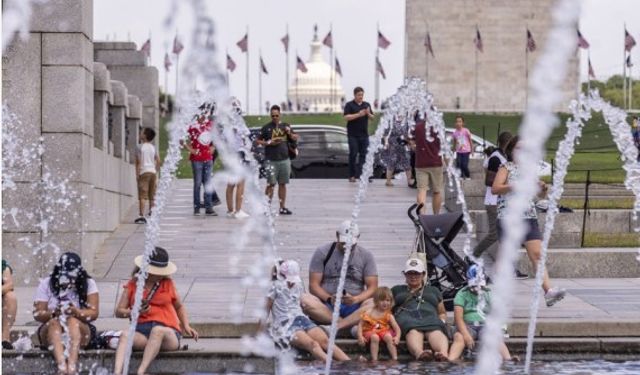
[354,35]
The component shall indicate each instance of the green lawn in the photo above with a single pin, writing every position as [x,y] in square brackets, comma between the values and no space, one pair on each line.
[596,150]
[595,203]
[611,240]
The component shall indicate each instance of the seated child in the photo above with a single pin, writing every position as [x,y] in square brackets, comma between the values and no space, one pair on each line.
[469,316]
[378,324]
[289,325]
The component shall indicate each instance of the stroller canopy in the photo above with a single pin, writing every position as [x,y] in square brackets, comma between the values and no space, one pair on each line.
[444,226]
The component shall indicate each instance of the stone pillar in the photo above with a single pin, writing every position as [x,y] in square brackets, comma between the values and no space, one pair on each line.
[101,99]
[133,126]
[129,65]
[117,115]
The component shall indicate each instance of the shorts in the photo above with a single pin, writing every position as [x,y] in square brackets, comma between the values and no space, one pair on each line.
[301,323]
[278,172]
[429,179]
[345,310]
[146,327]
[147,186]
[381,333]
[93,340]
[533,230]
[474,330]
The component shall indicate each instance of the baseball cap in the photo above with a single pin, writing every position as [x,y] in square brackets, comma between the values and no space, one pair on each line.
[415,265]
[345,228]
[290,269]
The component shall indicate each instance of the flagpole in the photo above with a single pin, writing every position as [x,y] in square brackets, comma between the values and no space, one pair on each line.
[526,71]
[166,86]
[286,78]
[177,69]
[630,85]
[247,69]
[332,63]
[426,60]
[588,72]
[260,84]
[475,102]
[377,76]
[297,97]
[624,68]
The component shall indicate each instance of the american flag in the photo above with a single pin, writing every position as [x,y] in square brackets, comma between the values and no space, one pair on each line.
[531,44]
[328,40]
[478,40]
[231,65]
[629,63]
[591,73]
[146,48]
[427,44]
[285,41]
[338,68]
[167,61]
[263,67]
[582,42]
[382,41]
[300,65]
[629,42]
[379,68]
[243,44]
[177,46]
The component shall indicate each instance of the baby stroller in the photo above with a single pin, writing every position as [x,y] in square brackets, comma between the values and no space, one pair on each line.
[434,234]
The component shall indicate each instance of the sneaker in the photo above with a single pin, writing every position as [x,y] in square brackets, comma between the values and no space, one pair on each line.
[6,345]
[140,220]
[521,275]
[285,211]
[210,212]
[196,212]
[216,202]
[241,215]
[231,214]
[554,295]
[352,179]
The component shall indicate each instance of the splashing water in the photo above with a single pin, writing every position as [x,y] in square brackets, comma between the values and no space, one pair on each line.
[199,69]
[538,122]
[15,18]
[581,111]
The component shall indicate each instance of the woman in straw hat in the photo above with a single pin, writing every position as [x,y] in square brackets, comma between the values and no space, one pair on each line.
[163,318]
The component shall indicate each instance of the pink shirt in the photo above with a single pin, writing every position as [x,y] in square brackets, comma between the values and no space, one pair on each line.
[463,140]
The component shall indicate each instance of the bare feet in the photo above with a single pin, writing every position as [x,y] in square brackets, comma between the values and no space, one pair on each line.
[426,355]
[440,357]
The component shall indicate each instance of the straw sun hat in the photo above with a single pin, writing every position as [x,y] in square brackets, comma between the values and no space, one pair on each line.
[159,263]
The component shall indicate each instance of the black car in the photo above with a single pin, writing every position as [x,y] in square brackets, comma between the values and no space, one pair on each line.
[323,152]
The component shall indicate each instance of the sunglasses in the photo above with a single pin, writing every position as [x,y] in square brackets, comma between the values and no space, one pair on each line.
[412,273]
[275,116]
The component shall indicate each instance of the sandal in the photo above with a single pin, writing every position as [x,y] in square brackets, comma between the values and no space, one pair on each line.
[389,183]
[426,355]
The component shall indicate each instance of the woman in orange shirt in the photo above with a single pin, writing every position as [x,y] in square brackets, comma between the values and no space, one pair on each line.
[162,317]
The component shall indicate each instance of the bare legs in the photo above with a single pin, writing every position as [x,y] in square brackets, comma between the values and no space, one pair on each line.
[160,339]
[239,189]
[319,312]
[436,201]
[9,311]
[79,335]
[534,250]
[437,341]
[316,342]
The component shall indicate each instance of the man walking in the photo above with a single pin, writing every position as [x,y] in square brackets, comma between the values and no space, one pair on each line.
[428,167]
[357,113]
[275,137]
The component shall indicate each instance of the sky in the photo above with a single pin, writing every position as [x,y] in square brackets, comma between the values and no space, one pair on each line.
[353,23]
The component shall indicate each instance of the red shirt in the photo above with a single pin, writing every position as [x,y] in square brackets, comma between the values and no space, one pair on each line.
[200,136]
[427,153]
[161,307]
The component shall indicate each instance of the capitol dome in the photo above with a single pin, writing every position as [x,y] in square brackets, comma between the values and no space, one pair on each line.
[312,89]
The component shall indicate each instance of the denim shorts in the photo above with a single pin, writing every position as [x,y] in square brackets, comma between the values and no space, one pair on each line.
[532,230]
[301,323]
[345,310]
[474,330]
[145,329]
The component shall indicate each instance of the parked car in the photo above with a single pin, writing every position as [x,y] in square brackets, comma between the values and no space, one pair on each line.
[323,152]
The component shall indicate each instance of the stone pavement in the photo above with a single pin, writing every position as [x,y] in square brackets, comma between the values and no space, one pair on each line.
[202,247]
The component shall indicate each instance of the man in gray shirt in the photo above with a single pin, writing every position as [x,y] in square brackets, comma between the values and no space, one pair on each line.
[324,275]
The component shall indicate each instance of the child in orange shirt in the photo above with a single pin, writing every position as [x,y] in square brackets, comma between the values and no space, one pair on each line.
[378,324]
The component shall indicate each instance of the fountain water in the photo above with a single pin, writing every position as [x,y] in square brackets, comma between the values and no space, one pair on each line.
[537,124]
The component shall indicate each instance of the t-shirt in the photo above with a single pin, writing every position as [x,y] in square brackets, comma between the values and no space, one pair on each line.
[530,212]
[361,264]
[463,140]
[427,153]
[358,127]
[45,294]
[495,161]
[147,157]
[418,312]
[274,132]
[286,301]
[161,306]
[468,300]
[201,138]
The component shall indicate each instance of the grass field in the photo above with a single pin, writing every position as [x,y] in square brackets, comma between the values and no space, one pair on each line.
[596,150]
